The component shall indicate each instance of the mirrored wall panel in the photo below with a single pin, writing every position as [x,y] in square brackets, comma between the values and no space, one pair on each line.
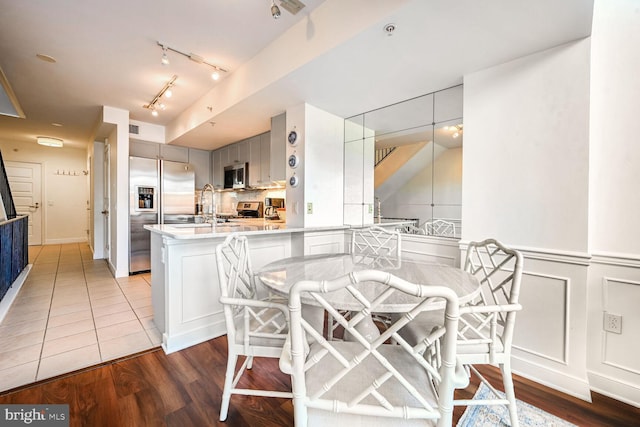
[404,162]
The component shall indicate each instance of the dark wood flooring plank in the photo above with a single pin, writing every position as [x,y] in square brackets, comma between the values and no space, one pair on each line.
[185,388]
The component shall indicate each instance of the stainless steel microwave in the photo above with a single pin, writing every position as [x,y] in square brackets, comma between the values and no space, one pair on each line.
[235,176]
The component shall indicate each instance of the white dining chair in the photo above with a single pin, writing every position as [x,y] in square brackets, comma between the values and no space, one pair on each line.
[485,330]
[376,243]
[375,247]
[384,382]
[255,327]
[440,227]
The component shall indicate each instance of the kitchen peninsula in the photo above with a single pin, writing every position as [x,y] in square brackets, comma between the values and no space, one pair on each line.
[184,278]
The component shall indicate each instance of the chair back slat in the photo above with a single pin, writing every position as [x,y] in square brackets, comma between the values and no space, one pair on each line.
[499,271]
[384,376]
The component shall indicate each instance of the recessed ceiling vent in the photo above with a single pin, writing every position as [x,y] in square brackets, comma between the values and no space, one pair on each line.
[134,129]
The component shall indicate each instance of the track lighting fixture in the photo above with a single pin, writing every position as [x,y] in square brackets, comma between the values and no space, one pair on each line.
[155,104]
[275,10]
[192,56]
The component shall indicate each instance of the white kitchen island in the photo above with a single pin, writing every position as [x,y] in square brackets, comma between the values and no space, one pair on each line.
[184,277]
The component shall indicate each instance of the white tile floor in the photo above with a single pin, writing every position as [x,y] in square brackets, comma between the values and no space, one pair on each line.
[72,313]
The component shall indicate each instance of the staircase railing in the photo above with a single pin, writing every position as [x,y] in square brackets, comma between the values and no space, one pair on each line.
[381,154]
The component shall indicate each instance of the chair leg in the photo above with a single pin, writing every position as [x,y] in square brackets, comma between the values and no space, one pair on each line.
[232,359]
[507,380]
[249,362]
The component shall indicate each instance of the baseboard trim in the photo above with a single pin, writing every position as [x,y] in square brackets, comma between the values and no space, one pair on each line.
[625,392]
[555,379]
[12,292]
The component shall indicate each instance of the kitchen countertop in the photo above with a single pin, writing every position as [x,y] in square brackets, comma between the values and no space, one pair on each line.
[240,226]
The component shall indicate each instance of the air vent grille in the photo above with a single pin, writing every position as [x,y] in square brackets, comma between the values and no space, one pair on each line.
[134,129]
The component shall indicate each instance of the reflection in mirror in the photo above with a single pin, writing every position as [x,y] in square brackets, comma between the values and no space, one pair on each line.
[404,162]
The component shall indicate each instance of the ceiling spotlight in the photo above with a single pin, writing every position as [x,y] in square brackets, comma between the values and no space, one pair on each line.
[215,75]
[168,93]
[49,142]
[165,58]
[275,10]
[155,104]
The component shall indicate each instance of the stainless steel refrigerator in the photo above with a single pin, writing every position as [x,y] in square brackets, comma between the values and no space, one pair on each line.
[160,192]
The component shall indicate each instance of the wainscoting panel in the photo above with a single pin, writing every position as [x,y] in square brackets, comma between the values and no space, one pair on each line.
[551,331]
[545,303]
[613,358]
[622,297]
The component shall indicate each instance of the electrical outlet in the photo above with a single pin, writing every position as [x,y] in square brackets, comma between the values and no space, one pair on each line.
[309,208]
[370,208]
[613,323]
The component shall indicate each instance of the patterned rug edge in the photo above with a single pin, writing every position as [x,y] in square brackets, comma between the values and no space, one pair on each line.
[497,415]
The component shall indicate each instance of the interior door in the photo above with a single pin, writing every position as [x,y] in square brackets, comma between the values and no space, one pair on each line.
[106,191]
[25,181]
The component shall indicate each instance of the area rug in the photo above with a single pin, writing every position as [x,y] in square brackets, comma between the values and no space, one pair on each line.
[497,415]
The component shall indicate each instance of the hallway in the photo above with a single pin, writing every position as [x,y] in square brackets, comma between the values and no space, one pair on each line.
[72,313]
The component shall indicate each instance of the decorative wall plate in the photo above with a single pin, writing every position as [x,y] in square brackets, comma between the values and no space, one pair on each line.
[293,161]
[293,137]
[293,181]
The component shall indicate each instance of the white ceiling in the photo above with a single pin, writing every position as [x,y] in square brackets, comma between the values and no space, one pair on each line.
[334,54]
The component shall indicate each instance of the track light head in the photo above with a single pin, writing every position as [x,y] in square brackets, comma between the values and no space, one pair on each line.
[165,58]
[275,10]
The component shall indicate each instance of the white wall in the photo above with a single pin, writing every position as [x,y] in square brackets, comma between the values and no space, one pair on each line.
[64,197]
[118,141]
[320,148]
[526,150]
[525,182]
[614,278]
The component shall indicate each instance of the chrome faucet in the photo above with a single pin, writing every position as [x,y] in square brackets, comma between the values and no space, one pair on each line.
[209,216]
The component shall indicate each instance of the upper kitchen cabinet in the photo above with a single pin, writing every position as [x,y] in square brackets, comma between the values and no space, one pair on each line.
[218,169]
[201,162]
[265,158]
[255,158]
[149,150]
[278,157]
[152,150]
[174,153]
[259,160]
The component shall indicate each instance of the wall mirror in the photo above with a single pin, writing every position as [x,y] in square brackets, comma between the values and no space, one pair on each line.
[404,161]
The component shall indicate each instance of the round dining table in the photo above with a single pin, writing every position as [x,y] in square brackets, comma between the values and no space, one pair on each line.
[281,275]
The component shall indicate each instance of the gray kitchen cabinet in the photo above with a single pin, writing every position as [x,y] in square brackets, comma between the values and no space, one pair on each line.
[255,153]
[201,161]
[265,158]
[278,147]
[149,150]
[242,154]
[218,168]
[174,153]
[153,150]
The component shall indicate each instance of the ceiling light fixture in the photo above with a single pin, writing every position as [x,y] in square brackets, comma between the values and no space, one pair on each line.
[155,104]
[275,10]
[195,58]
[457,130]
[49,142]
